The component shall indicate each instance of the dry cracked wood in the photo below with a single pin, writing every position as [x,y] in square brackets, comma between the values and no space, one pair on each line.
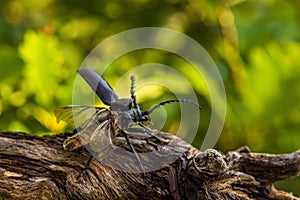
[38,168]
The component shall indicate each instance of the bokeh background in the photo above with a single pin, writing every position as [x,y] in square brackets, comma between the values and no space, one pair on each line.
[255,44]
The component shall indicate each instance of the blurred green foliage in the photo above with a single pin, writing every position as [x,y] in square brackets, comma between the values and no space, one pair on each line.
[255,44]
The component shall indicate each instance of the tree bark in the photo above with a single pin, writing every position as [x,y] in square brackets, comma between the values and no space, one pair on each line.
[34,167]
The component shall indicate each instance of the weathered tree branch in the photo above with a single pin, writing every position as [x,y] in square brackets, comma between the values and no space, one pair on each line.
[38,168]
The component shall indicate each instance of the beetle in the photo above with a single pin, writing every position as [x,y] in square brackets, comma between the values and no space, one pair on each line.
[106,123]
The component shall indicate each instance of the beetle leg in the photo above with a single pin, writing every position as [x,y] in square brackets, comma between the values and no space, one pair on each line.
[87,165]
[149,132]
[137,157]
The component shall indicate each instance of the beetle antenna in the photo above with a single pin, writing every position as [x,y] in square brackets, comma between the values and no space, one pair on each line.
[133,97]
[171,101]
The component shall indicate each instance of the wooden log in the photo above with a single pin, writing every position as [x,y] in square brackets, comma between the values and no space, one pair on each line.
[34,167]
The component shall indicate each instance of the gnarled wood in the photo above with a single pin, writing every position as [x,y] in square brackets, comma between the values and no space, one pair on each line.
[38,168]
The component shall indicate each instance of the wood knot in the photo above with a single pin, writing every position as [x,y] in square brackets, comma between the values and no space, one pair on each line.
[208,163]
